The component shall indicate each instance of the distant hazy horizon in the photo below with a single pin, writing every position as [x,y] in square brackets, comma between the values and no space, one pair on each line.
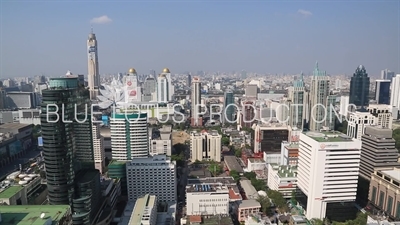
[43,37]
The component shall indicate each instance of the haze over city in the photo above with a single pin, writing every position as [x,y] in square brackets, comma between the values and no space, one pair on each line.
[49,38]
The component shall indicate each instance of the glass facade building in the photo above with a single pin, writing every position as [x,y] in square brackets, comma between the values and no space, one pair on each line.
[359,88]
[229,108]
[382,92]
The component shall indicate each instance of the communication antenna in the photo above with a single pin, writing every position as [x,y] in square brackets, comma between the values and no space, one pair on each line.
[42,215]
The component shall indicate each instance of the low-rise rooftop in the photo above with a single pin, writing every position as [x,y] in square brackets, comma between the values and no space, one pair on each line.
[285,171]
[10,191]
[328,136]
[393,173]
[31,214]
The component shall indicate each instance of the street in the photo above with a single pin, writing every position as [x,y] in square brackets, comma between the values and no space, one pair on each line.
[14,165]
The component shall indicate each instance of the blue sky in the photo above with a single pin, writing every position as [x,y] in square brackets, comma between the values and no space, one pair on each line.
[43,37]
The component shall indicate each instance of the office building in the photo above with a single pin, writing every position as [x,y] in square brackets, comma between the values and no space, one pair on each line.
[377,151]
[161,141]
[344,106]
[196,119]
[22,100]
[327,174]
[282,179]
[205,146]
[395,96]
[98,148]
[133,91]
[319,92]
[248,208]
[387,74]
[382,91]
[59,146]
[93,66]
[129,135]
[382,114]
[384,192]
[268,137]
[207,199]
[229,107]
[163,85]
[155,175]
[296,96]
[359,88]
[357,122]
[149,87]
[189,80]
[247,116]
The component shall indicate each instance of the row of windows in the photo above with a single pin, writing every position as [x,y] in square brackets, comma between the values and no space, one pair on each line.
[213,200]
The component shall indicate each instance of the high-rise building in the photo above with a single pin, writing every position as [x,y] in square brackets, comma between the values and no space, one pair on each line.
[247,116]
[171,88]
[296,98]
[93,66]
[196,119]
[59,146]
[189,80]
[387,74]
[229,108]
[319,92]
[129,136]
[395,96]
[382,91]
[163,85]
[357,122]
[251,91]
[327,175]
[98,148]
[133,92]
[205,146]
[359,88]
[155,175]
[377,150]
[149,88]
[382,114]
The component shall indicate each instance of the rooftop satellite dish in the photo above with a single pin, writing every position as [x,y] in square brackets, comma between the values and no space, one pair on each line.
[42,215]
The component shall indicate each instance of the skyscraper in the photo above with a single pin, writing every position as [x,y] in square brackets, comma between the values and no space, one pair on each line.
[93,66]
[163,85]
[359,88]
[171,89]
[189,80]
[196,119]
[382,92]
[296,97]
[229,108]
[387,74]
[67,143]
[395,97]
[319,92]
[133,92]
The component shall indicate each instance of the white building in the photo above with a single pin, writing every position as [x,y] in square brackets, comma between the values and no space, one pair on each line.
[161,142]
[205,146]
[129,136]
[395,96]
[98,148]
[282,179]
[357,123]
[344,105]
[154,175]
[132,89]
[163,88]
[328,171]
[319,92]
[171,87]
[207,199]
[383,115]
[289,153]
[255,164]
[145,211]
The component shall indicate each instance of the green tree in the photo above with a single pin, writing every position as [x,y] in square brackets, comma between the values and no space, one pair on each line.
[225,141]
[259,185]
[293,198]
[278,199]
[215,169]
[265,204]
[316,222]
[235,175]
[396,137]
[238,153]
[250,175]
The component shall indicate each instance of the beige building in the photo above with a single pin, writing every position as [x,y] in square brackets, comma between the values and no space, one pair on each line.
[248,208]
[98,148]
[384,191]
[205,146]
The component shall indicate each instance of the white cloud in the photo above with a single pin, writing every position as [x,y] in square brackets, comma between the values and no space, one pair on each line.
[304,13]
[101,20]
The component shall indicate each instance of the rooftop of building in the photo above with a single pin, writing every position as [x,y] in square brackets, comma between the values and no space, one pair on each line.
[394,173]
[251,203]
[151,159]
[293,146]
[233,164]
[31,214]
[10,191]
[206,188]
[285,171]
[328,136]
[212,180]
[256,160]
[219,219]
[249,188]
[143,206]
[7,127]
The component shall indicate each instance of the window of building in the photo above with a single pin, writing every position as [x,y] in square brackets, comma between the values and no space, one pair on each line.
[381,199]
[390,205]
[398,210]
[373,197]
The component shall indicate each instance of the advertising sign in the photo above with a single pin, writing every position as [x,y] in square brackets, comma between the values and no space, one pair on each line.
[131,88]
[40,141]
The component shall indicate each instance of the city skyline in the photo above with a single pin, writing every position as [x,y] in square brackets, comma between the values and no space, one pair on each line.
[267,37]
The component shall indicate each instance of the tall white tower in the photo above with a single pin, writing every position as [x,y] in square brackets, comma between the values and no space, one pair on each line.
[163,85]
[195,104]
[171,88]
[133,91]
[318,99]
[93,66]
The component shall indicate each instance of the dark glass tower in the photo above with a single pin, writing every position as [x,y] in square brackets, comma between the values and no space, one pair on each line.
[229,108]
[359,88]
[382,92]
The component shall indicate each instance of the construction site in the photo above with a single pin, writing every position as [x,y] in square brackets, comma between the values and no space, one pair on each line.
[180,137]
